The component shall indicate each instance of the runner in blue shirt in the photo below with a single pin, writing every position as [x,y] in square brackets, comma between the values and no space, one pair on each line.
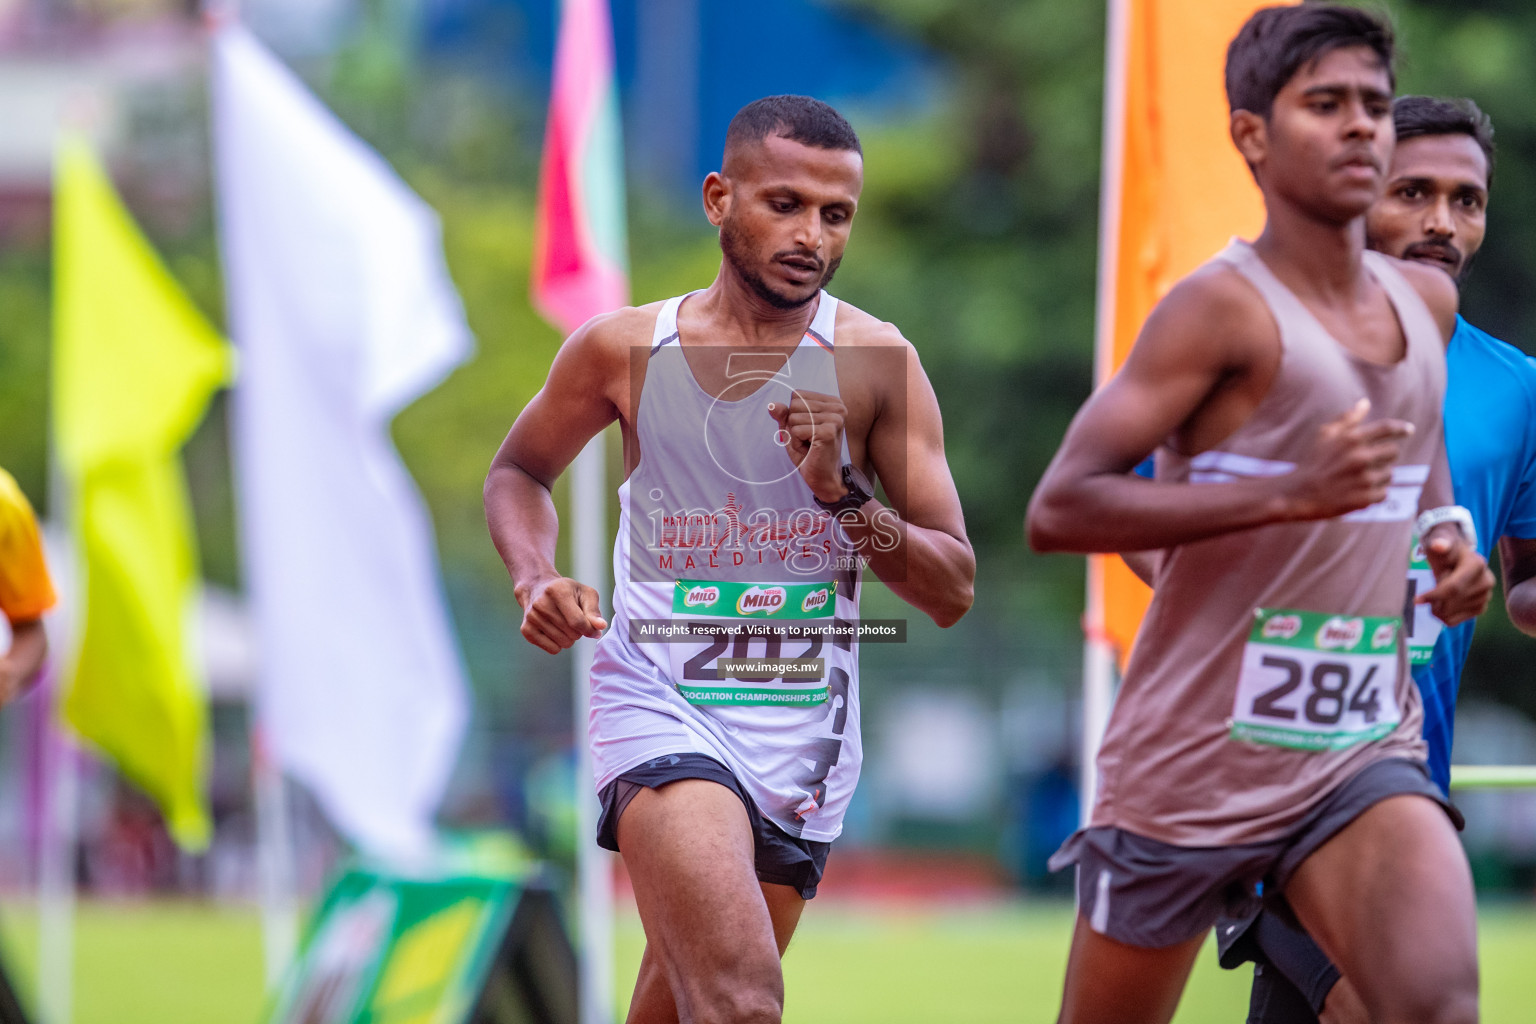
[1433,212]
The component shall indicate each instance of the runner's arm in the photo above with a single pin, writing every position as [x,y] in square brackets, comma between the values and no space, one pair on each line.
[1438,291]
[1517,548]
[1143,563]
[571,408]
[917,546]
[1210,330]
[1517,557]
[1463,583]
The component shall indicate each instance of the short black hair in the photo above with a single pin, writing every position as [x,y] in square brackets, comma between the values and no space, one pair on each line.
[800,119]
[1414,116]
[1276,42]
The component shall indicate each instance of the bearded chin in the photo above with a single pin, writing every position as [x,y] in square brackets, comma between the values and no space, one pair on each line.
[735,254]
[1466,268]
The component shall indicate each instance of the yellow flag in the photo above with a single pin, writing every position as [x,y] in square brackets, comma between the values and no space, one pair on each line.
[1176,191]
[134,366]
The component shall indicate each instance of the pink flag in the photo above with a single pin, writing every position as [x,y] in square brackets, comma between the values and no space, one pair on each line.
[579,268]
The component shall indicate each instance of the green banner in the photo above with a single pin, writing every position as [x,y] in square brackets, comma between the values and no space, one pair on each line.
[391,949]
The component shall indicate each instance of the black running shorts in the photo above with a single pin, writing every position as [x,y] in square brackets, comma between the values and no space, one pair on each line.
[1292,975]
[780,858]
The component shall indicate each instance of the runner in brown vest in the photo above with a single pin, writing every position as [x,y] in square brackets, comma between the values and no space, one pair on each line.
[1434,212]
[1268,730]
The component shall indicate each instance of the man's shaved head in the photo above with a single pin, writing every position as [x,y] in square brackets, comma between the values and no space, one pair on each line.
[801,119]
[784,197]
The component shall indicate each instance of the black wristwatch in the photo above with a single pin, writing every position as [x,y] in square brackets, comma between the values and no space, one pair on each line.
[859,492]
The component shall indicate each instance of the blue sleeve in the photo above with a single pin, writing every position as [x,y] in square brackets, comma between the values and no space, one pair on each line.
[1522,512]
[1147,468]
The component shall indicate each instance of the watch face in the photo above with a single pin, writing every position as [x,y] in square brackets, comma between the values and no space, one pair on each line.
[857,481]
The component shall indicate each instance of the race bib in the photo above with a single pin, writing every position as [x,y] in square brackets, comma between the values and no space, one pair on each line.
[758,643]
[1313,681]
[1423,628]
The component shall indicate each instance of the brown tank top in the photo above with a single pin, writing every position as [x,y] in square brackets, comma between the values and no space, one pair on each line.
[1271,665]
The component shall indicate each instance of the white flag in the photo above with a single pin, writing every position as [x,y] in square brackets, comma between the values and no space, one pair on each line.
[343,312]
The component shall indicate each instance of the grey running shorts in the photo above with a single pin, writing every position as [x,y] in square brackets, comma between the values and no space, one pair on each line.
[780,858]
[1152,894]
[1292,975]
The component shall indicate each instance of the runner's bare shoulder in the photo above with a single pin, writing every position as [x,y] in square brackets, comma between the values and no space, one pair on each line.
[611,335]
[856,328]
[874,360]
[1438,291]
[600,355]
[1213,317]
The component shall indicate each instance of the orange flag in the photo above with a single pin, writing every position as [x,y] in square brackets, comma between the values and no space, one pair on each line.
[1175,190]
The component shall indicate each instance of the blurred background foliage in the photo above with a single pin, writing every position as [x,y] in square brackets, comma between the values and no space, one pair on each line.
[976,236]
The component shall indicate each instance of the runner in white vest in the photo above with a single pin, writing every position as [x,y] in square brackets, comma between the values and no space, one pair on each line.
[725,717]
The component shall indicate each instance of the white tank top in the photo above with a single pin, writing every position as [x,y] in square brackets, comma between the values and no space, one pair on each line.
[723,555]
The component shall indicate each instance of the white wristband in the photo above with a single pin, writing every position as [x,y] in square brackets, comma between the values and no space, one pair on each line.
[1432,518]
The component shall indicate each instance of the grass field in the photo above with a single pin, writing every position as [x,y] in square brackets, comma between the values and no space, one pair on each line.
[188,963]
[862,965]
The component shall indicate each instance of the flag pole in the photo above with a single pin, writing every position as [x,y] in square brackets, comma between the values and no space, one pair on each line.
[269,790]
[1098,651]
[594,865]
[60,789]
[276,888]
[274,859]
[580,217]
[56,876]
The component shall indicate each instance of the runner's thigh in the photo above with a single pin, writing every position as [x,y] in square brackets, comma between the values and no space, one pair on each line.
[784,907]
[1389,898]
[1109,982]
[689,851]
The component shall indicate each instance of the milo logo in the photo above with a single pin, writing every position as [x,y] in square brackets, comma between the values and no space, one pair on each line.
[1282,627]
[1384,635]
[699,596]
[815,600]
[1340,633]
[761,600]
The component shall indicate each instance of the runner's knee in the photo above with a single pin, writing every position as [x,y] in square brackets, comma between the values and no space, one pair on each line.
[741,996]
[1343,1006]
[1432,1004]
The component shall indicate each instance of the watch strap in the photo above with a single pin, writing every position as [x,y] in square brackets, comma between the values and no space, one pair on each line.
[857,497]
[1457,514]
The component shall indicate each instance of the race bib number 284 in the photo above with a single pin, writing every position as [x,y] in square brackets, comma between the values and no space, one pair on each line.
[1313,681]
